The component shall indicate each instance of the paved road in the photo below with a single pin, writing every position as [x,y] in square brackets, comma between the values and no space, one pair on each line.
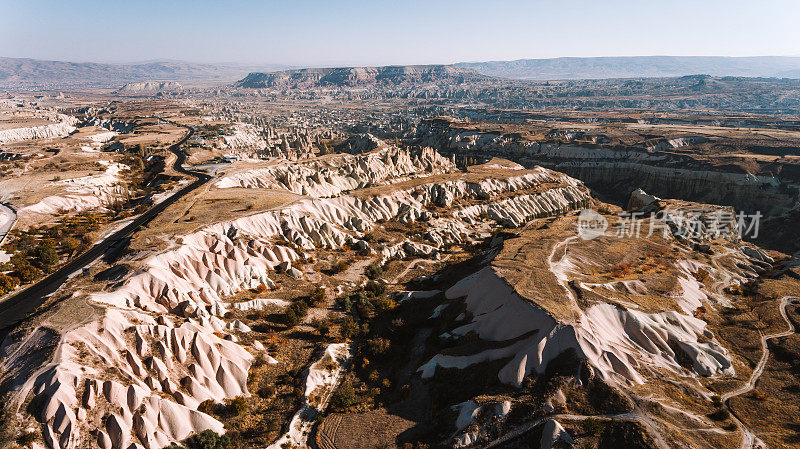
[20,305]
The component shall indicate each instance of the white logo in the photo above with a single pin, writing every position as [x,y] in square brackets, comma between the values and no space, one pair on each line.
[591,224]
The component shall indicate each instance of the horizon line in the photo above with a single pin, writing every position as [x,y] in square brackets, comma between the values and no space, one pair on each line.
[311,65]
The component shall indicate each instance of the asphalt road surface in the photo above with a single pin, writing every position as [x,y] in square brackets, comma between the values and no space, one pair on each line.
[17,307]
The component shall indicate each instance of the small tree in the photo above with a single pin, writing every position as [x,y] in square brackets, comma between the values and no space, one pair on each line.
[47,255]
[344,396]
[349,328]
[322,326]
[378,346]
[376,288]
[339,267]
[27,273]
[26,438]
[290,317]
[592,426]
[208,439]
[208,406]
[317,297]
[373,271]
[7,283]
[70,244]
[237,406]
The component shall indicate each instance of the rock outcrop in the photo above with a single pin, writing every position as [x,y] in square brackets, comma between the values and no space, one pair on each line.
[161,344]
[148,88]
[359,76]
[64,127]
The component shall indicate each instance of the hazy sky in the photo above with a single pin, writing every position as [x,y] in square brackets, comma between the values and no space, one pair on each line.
[348,32]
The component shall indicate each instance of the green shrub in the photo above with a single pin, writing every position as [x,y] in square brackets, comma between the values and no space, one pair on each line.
[322,326]
[7,283]
[208,439]
[296,312]
[720,414]
[592,426]
[26,438]
[383,303]
[27,273]
[344,396]
[70,244]
[208,407]
[373,271]
[46,254]
[378,346]
[347,304]
[376,288]
[266,391]
[290,318]
[359,298]
[317,297]
[237,406]
[339,267]
[349,328]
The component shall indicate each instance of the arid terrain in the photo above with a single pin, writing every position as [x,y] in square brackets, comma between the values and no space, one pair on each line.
[398,257]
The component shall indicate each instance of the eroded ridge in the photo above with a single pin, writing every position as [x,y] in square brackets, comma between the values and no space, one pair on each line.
[158,343]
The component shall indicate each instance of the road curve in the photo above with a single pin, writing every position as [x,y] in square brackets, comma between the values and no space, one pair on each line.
[749,440]
[20,305]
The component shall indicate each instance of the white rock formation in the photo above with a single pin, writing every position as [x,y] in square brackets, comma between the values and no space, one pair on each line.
[319,384]
[518,210]
[160,331]
[342,174]
[244,136]
[553,432]
[82,194]
[639,199]
[470,412]
[64,127]
[149,88]
[616,341]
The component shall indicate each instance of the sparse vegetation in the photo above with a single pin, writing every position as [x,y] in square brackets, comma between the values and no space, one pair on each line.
[339,266]
[296,312]
[373,271]
[592,426]
[317,297]
[344,396]
[721,414]
[323,326]
[208,439]
[237,406]
[26,438]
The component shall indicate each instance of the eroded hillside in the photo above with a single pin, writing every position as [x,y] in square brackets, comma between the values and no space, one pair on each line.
[318,266]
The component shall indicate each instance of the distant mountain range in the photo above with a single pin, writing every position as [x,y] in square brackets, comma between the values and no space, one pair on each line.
[639,67]
[360,76]
[20,72]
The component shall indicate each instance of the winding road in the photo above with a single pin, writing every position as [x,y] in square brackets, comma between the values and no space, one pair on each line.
[749,440]
[18,306]
[414,263]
